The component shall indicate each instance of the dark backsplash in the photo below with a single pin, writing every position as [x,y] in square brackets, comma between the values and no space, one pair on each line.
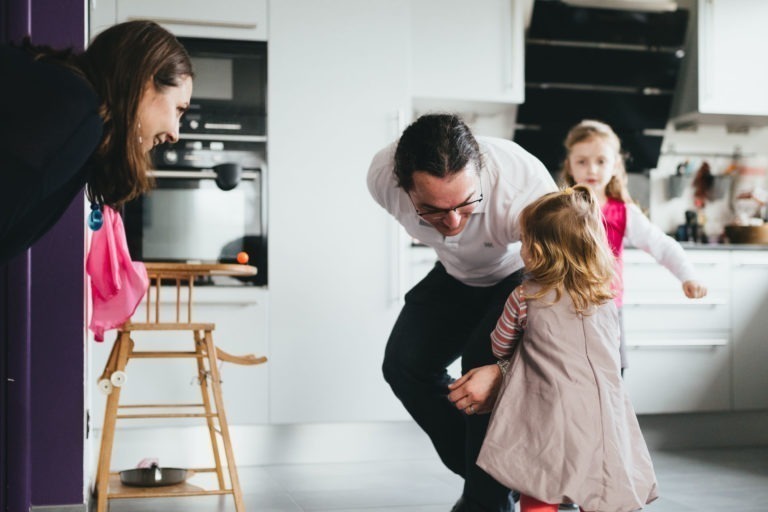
[617,66]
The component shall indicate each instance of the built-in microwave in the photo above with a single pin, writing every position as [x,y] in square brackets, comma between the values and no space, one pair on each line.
[229,95]
[210,199]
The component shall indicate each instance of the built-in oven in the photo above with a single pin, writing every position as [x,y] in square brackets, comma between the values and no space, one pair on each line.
[210,199]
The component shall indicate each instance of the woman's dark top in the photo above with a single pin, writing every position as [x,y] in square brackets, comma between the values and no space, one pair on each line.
[49,128]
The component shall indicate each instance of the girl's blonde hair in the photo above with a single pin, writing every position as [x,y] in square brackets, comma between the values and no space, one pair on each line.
[567,250]
[589,129]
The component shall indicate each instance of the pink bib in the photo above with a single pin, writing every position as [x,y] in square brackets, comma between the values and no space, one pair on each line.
[615,222]
[117,283]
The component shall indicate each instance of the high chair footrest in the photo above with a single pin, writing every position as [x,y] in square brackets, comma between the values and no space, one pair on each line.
[248,359]
[167,326]
[165,354]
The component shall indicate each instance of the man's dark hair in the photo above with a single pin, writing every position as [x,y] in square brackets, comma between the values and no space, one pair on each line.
[439,144]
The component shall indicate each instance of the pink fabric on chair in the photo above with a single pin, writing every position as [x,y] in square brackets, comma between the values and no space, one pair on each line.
[117,283]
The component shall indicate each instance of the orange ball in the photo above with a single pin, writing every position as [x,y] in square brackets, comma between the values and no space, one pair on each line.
[242,257]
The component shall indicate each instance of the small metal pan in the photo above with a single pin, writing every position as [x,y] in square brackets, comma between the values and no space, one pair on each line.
[154,476]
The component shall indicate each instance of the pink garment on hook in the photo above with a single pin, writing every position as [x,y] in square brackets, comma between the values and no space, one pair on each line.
[117,283]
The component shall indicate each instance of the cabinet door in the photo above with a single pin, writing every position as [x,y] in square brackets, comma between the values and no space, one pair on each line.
[654,298]
[750,329]
[678,349]
[240,315]
[678,372]
[232,19]
[470,51]
[338,88]
[731,34]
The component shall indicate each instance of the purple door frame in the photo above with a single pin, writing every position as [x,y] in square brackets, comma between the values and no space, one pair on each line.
[42,321]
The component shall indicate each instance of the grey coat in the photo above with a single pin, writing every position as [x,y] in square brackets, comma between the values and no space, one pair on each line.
[563,428]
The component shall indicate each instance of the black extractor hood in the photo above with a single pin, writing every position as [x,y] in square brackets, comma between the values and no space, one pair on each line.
[614,65]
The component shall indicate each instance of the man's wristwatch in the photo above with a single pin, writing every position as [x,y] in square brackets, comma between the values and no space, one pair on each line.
[503,366]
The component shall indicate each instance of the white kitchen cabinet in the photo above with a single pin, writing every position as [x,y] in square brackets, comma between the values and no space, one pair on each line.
[231,19]
[750,329]
[338,93]
[241,318]
[467,51]
[422,260]
[721,79]
[678,349]
[731,33]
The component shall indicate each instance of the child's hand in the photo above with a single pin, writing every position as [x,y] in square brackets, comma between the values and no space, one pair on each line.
[694,289]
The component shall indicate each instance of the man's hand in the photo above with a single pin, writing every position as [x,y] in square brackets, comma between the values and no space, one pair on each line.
[475,392]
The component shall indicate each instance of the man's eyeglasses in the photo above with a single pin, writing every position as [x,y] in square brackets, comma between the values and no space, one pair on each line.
[434,215]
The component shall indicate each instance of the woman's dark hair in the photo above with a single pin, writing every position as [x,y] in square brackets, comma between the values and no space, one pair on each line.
[439,144]
[118,64]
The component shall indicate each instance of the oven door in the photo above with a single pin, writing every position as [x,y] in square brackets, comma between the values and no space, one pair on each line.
[188,218]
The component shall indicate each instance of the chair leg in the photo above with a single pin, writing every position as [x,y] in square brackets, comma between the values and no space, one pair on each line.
[219,402]
[123,348]
[109,367]
[203,377]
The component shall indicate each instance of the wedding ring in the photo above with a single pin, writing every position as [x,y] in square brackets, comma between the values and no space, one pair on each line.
[471,409]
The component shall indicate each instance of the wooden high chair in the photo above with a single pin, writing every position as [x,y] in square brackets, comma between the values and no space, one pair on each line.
[205,354]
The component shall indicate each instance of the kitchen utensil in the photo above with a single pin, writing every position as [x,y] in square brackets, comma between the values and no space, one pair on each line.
[228,175]
[702,185]
[747,234]
[153,476]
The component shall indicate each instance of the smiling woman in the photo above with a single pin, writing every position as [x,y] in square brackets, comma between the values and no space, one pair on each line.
[160,110]
[91,118]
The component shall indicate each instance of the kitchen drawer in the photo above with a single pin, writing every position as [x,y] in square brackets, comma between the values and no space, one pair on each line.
[750,330]
[642,272]
[675,312]
[679,373]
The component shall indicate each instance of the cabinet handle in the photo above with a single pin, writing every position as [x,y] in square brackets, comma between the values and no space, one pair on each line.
[655,264]
[704,38]
[199,23]
[681,302]
[222,136]
[402,121]
[693,342]
[507,11]
[196,175]
[511,12]
[397,268]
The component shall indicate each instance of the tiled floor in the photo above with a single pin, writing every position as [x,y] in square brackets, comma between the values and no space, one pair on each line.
[735,480]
